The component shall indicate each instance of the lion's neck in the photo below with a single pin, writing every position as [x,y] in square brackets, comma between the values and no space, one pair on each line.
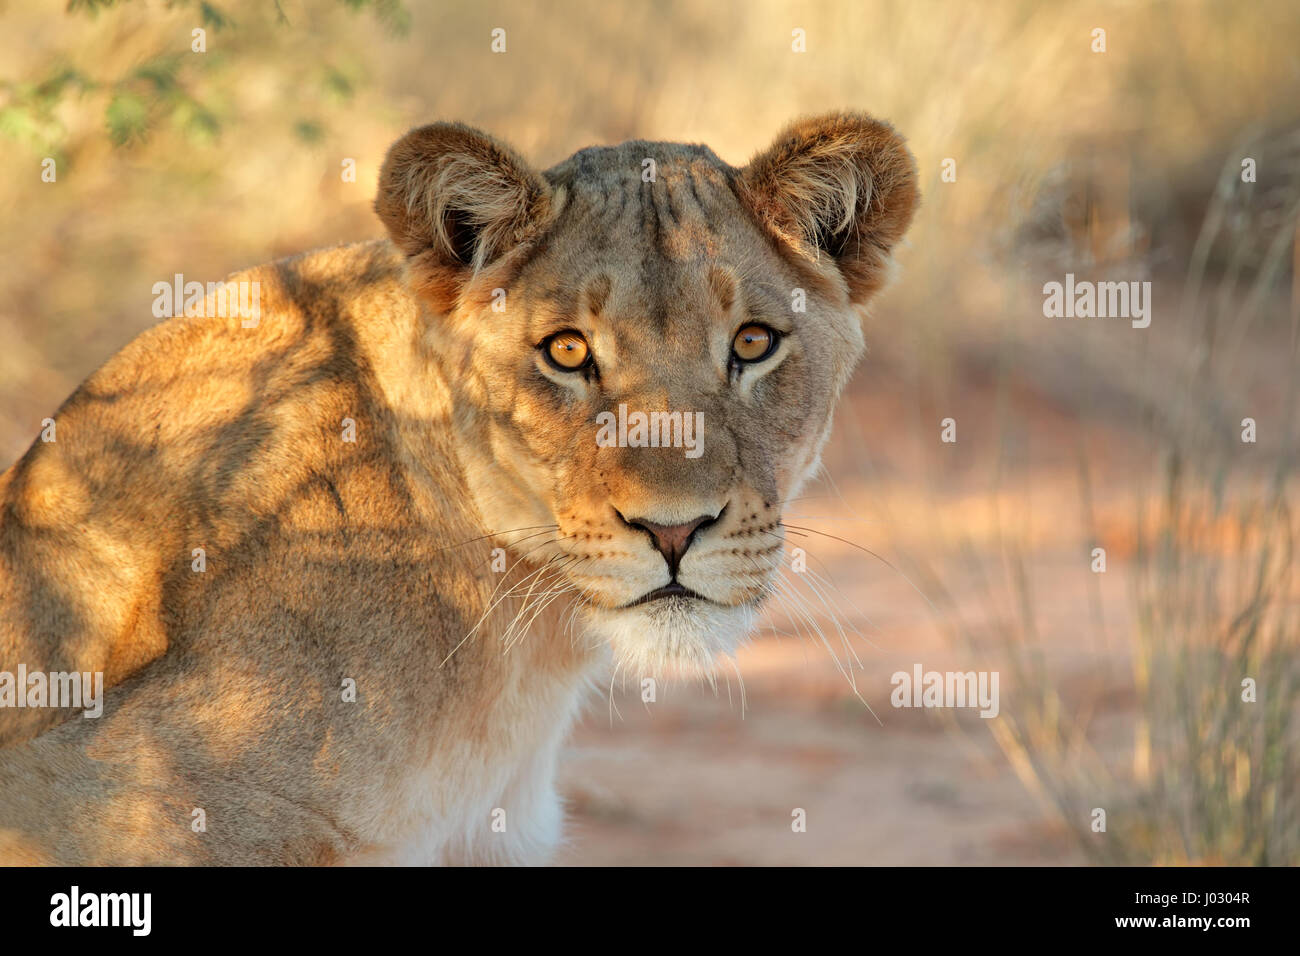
[480,788]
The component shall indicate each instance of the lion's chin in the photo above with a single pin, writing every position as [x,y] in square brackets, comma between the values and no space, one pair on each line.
[671,636]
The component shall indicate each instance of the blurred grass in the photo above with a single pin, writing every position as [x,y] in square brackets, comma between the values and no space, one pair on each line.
[1123,163]
[1212,775]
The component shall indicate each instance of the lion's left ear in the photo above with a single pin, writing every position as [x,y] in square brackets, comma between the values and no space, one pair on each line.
[842,185]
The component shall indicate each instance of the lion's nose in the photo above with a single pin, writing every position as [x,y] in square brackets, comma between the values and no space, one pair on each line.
[672,540]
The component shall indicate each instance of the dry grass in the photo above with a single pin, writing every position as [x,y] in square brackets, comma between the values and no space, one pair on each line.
[1211,773]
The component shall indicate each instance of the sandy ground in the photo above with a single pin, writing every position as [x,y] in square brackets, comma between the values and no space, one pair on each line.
[688,781]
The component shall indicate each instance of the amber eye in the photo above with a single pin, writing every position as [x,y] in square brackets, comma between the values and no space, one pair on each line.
[753,343]
[568,351]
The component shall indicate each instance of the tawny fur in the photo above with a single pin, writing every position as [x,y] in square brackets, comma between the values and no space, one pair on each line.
[371,561]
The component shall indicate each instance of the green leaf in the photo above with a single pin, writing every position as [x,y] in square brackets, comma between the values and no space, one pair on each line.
[17,124]
[91,7]
[338,86]
[392,14]
[161,73]
[309,131]
[127,118]
[200,124]
[212,17]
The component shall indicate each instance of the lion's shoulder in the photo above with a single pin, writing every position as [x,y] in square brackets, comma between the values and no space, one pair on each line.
[205,428]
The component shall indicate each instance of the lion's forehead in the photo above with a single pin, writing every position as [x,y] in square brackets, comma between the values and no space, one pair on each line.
[658,256]
[657,204]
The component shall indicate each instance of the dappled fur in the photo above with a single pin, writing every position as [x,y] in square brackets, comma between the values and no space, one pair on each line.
[371,560]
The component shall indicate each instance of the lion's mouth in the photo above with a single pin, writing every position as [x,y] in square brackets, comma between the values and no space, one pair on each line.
[670,590]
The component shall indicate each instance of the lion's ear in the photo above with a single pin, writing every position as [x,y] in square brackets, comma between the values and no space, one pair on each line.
[842,185]
[456,201]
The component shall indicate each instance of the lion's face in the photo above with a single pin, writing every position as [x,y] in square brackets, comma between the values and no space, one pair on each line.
[646,356]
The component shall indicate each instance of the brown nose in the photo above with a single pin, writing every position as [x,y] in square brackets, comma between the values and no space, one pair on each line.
[672,540]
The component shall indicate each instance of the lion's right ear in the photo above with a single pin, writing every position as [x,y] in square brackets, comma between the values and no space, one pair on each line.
[842,185]
[456,201]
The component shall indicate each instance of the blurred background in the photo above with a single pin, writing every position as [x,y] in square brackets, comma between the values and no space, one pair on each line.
[1120,689]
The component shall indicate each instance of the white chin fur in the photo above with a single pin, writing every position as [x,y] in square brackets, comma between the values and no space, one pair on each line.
[671,636]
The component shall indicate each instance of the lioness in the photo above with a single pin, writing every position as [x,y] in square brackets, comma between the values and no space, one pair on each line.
[349,568]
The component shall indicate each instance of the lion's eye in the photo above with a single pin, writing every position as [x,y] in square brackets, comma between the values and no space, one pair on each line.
[568,351]
[753,343]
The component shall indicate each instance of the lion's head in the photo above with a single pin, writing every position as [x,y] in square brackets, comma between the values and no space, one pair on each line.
[645,346]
